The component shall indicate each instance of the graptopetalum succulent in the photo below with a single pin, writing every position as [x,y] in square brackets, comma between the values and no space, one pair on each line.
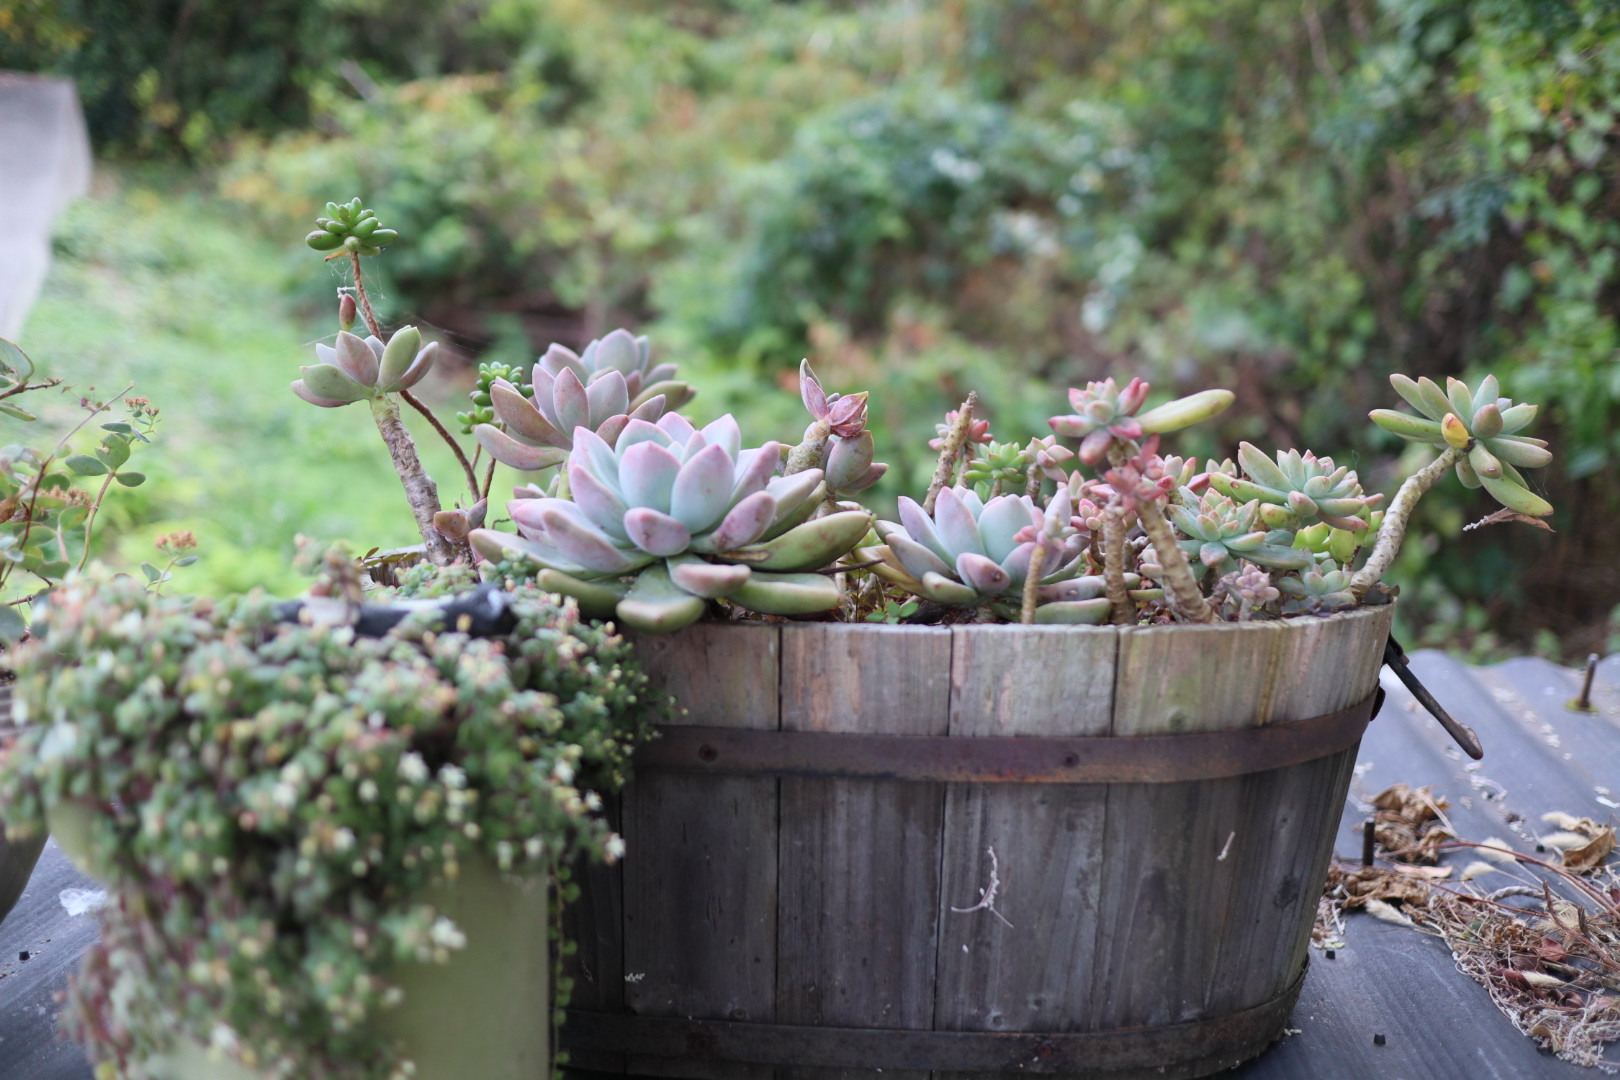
[671,517]
[643,516]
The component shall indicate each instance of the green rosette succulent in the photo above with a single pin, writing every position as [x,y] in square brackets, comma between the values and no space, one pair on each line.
[1219,531]
[973,553]
[1295,490]
[671,517]
[1481,424]
[350,228]
[359,369]
[1104,412]
[1317,591]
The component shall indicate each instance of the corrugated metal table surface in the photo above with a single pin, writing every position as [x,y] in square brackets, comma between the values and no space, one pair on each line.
[1436,1023]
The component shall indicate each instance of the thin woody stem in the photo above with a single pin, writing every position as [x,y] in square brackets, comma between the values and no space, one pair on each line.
[1032,582]
[1396,518]
[1181,588]
[1120,611]
[366,313]
[420,491]
[950,450]
[466,466]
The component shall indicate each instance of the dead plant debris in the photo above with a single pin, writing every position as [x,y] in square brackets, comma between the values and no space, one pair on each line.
[1545,943]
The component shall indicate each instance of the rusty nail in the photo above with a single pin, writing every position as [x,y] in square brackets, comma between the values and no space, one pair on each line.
[1584,702]
[1368,836]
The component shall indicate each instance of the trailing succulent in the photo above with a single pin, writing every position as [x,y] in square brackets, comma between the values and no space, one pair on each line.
[640,514]
[292,790]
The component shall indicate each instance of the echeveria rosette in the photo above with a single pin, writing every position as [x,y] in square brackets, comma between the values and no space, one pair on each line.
[1296,490]
[631,357]
[969,554]
[1481,424]
[1317,591]
[358,369]
[671,517]
[1220,531]
[538,427]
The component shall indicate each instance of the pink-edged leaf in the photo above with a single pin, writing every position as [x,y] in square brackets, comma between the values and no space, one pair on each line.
[725,433]
[568,398]
[521,418]
[954,522]
[611,428]
[595,499]
[647,473]
[848,460]
[1002,517]
[602,459]
[618,352]
[559,359]
[649,410]
[356,359]
[568,530]
[920,527]
[677,427]
[790,492]
[419,367]
[708,580]
[639,431]
[916,558]
[1095,445]
[508,451]
[702,491]
[655,532]
[607,396]
[985,576]
[872,475]
[754,470]
[810,391]
[313,398]
[745,523]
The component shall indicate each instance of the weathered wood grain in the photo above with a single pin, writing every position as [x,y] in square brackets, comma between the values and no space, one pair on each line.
[860,859]
[595,924]
[1035,974]
[700,862]
[1172,906]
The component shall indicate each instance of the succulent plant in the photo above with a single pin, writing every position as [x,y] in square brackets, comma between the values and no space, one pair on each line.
[1296,490]
[538,427]
[1103,413]
[836,441]
[1219,530]
[1317,591]
[671,517]
[350,228]
[1483,426]
[1247,590]
[356,369]
[631,357]
[970,552]
[847,465]
[978,431]
[483,410]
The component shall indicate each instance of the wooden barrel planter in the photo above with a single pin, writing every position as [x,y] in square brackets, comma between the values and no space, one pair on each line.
[809,881]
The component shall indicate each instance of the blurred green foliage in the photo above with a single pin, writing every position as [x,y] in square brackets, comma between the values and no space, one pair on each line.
[1289,198]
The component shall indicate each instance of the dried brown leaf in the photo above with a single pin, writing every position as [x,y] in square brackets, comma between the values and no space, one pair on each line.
[1504,516]
[1590,856]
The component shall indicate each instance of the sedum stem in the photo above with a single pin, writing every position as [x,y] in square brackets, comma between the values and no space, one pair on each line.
[420,491]
[1180,587]
[950,451]
[1032,582]
[1120,610]
[1396,518]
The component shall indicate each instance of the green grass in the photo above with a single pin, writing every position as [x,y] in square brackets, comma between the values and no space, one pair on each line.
[157,285]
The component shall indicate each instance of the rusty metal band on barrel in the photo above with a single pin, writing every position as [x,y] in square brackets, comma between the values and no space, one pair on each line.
[1090,759]
[1219,1041]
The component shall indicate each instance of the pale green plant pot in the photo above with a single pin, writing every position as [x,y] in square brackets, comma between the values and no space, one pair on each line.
[485,1014]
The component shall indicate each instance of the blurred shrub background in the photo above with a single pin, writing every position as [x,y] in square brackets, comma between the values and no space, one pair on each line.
[1291,198]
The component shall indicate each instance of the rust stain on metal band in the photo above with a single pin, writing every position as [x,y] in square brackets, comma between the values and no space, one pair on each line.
[1092,759]
[1167,1050]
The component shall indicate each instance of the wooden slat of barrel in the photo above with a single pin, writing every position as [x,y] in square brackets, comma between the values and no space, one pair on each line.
[1170,903]
[860,859]
[1048,837]
[701,899]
